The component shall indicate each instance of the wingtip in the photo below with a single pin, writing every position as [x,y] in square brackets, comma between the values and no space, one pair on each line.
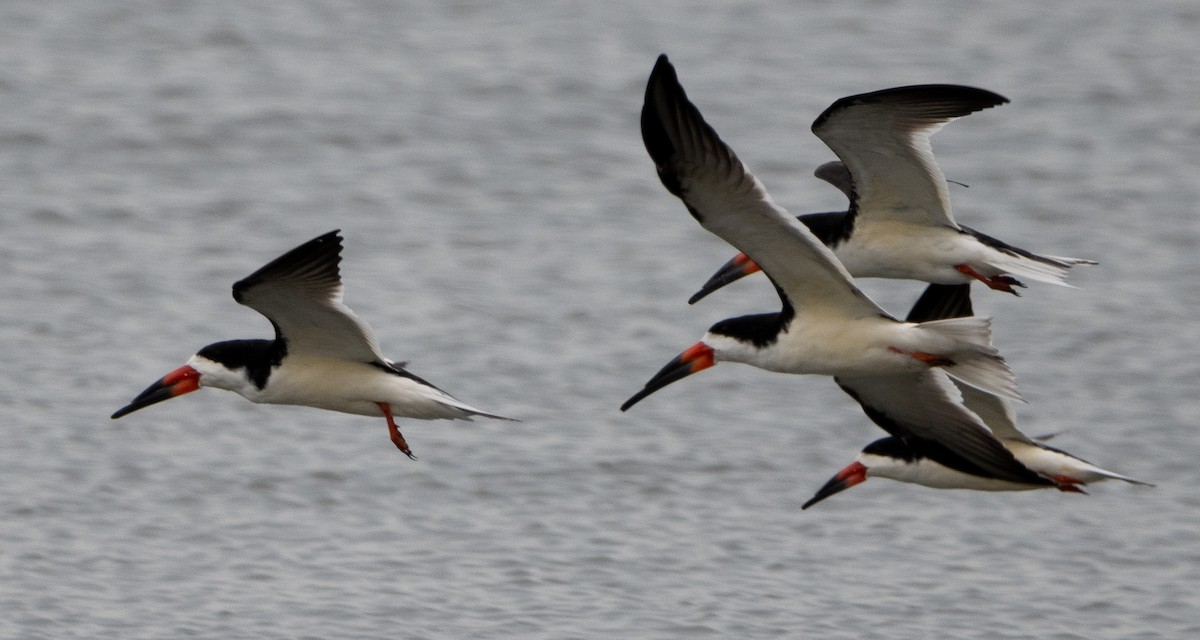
[936,101]
[322,254]
[662,75]
[663,95]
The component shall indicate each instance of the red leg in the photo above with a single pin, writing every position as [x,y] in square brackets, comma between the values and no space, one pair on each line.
[1068,484]
[931,359]
[394,432]
[999,283]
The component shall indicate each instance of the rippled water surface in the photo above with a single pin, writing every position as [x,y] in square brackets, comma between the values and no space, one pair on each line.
[507,236]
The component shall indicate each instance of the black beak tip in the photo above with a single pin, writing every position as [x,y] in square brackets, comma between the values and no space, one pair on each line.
[835,486]
[155,393]
[821,495]
[633,401]
[123,411]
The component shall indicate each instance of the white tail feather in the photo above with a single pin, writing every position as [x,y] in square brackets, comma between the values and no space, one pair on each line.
[468,411]
[1049,272]
[1116,476]
[1105,473]
[976,362]
[988,374]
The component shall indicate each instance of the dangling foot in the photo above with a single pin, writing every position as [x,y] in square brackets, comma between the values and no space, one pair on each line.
[397,438]
[999,283]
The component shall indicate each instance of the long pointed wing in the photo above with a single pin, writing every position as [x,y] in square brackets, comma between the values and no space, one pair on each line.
[300,292]
[883,137]
[927,405]
[695,165]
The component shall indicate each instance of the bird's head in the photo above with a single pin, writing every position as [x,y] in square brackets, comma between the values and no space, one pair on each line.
[236,365]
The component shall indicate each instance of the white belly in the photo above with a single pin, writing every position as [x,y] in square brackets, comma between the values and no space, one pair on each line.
[911,252]
[356,388]
[931,474]
[847,347]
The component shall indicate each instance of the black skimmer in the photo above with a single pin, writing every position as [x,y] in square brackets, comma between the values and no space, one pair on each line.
[322,356]
[899,224]
[927,462]
[827,325]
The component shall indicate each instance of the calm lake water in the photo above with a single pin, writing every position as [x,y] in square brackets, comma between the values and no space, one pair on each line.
[507,236]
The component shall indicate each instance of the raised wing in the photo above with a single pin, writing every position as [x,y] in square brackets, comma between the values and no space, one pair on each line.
[928,406]
[883,137]
[300,292]
[695,165]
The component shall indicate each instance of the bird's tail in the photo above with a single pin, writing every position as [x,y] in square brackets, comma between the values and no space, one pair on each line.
[1113,475]
[974,360]
[1048,269]
[1020,263]
[465,411]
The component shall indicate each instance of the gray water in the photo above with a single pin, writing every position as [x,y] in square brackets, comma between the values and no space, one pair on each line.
[507,236]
